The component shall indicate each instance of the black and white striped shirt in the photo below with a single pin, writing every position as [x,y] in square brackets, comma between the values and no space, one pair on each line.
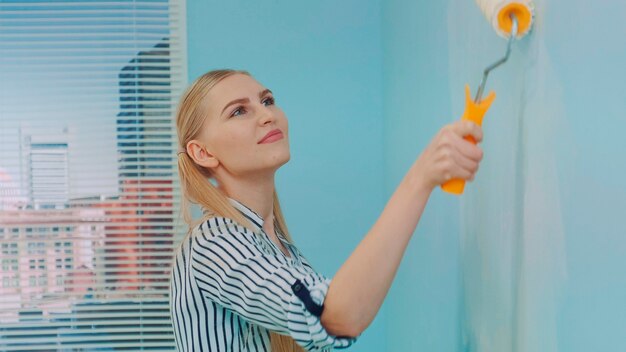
[231,287]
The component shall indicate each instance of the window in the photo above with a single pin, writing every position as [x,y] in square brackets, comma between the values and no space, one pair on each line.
[88,176]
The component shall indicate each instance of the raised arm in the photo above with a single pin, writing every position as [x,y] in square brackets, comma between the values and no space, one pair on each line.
[358,288]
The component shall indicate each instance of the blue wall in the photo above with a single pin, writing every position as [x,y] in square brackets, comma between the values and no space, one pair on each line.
[322,59]
[424,299]
[586,44]
[551,178]
[380,78]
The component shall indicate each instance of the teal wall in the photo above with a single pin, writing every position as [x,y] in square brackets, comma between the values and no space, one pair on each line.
[543,224]
[423,304]
[380,78]
[322,60]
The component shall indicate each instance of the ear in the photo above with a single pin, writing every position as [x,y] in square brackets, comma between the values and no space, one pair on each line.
[198,152]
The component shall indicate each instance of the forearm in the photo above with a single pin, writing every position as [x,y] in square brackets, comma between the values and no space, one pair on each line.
[359,287]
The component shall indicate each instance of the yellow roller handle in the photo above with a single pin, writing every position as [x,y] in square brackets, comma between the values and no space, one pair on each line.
[473,112]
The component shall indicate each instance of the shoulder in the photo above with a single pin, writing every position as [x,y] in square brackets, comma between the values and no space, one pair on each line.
[222,232]
[216,226]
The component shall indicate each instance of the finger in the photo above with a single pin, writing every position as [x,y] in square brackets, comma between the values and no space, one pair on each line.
[462,173]
[474,173]
[465,163]
[468,150]
[465,128]
[452,170]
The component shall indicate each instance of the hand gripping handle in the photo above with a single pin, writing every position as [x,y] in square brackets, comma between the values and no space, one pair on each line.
[473,112]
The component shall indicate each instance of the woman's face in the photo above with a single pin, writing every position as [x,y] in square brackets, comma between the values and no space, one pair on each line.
[239,114]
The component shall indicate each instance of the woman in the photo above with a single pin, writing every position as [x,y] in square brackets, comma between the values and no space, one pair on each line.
[238,282]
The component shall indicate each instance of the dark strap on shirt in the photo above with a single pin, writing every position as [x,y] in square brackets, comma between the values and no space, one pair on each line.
[305,296]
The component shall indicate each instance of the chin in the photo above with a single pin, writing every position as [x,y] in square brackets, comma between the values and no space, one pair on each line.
[276,159]
[283,159]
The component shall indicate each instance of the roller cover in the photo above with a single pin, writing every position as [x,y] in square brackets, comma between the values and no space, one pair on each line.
[498,14]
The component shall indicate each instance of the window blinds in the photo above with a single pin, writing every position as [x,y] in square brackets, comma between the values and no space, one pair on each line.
[89,195]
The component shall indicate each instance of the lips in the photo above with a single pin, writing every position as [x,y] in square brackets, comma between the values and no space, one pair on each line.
[270,134]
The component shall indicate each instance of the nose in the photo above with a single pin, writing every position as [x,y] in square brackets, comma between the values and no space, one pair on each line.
[267,116]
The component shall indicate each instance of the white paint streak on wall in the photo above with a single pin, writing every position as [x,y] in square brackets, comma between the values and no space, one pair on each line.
[512,238]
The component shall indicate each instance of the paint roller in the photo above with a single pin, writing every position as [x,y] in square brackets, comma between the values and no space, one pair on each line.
[511,19]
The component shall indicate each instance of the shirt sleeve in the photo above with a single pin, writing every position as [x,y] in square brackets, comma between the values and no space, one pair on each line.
[231,269]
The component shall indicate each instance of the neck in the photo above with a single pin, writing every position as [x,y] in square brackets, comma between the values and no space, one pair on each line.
[256,193]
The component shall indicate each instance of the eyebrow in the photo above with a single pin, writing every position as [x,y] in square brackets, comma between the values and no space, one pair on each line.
[244,100]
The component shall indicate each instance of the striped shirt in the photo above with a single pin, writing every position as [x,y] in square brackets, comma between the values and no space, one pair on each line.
[230,287]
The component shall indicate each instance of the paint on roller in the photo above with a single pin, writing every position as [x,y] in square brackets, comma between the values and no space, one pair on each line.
[498,14]
[512,234]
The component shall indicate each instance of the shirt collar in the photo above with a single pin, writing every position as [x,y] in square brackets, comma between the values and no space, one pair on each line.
[255,218]
[250,214]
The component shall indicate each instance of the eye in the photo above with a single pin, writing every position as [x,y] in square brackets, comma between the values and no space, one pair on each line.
[269,101]
[240,110]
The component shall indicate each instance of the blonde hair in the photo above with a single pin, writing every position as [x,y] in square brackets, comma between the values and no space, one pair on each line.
[195,179]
